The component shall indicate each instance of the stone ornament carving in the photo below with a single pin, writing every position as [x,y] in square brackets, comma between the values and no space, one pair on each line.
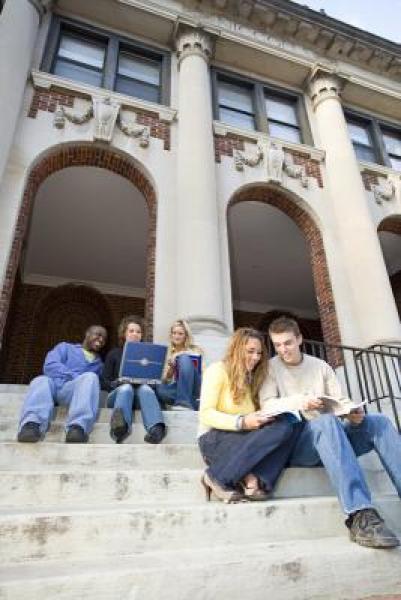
[296,171]
[385,190]
[61,115]
[194,42]
[107,114]
[279,162]
[135,131]
[275,162]
[324,86]
[241,160]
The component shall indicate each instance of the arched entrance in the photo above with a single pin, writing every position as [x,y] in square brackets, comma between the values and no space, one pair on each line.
[64,246]
[301,244]
[389,232]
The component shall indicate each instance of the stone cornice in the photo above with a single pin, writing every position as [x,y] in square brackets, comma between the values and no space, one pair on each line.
[47,81]
[327,37]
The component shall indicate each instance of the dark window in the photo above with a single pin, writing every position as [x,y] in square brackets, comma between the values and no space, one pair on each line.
[361,138]
[282,117]
[81,59]
[392,145]
[375,141]
[138,76]
[236,104]
[101,59]
[2,3]
[249,104]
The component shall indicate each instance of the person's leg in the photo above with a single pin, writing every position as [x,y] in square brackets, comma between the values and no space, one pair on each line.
[121,401]
[376,432]
[324,439]
[246,451]
[187,382]
[152,415]
[38,404]
[167,393]
[82,397]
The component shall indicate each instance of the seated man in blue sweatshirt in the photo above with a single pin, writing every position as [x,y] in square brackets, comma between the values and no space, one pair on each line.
[70,377]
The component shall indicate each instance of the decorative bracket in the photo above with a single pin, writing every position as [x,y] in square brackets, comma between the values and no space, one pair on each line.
[385,190]
[240,159]
[279,162]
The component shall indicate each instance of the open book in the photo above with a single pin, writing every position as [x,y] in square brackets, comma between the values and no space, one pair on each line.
[337,406]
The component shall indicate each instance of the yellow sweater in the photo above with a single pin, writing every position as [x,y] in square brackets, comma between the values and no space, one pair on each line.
[217,408]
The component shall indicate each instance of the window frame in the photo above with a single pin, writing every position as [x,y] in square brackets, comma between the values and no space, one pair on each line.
[259,89]
[376,126]
[113,43]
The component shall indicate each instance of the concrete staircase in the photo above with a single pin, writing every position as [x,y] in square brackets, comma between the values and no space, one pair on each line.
[109,522]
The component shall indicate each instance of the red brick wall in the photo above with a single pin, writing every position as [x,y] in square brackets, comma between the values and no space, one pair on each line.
[41,316]
[81,155]
[323,289]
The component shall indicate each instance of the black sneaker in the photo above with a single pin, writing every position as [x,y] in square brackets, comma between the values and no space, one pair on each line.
[118,426]
[76,435]
[29,433]
[367,528]
[155,434]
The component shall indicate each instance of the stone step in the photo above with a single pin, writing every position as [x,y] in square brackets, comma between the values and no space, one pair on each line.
[61,488]
[101,532]
[182,427]
[282,571]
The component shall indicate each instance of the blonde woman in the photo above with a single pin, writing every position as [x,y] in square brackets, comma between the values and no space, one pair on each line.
[245,451]
[181,379]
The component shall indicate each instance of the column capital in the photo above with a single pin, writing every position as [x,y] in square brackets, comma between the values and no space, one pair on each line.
[190,42]
[41,6]
[323,84]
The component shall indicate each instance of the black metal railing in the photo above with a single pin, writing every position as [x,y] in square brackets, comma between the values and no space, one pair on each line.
[372,374]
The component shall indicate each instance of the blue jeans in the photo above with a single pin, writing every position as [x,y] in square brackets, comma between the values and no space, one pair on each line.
[145,398]
[81,395]
[326,440]
[264,452]
[186,389]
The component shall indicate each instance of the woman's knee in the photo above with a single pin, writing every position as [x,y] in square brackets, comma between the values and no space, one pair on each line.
[125,389]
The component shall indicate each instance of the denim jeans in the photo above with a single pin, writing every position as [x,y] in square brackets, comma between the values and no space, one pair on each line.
[185,391]
[81,395]
[376,432]
[145,398]
[264,452]
[324,440]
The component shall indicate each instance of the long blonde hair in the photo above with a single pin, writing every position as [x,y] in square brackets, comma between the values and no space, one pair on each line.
[234,361]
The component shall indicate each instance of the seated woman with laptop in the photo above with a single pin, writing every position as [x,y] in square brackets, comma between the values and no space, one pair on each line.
[245,450]
[123,396]
[183,373]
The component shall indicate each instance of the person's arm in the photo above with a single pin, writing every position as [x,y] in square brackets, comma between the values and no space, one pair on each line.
[54,365]
[214,380]
[110,372]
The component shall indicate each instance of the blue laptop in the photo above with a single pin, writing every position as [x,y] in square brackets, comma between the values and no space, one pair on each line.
[142,362]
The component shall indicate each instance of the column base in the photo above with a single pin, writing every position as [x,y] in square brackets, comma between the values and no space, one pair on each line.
[211,335]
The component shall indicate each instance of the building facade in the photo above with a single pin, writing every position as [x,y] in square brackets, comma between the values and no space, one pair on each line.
[224,161]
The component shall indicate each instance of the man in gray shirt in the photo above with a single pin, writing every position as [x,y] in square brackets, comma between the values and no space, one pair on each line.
[301,381]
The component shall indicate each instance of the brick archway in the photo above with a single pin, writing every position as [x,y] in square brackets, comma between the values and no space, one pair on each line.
[80,155]
[304,221]
[393,225]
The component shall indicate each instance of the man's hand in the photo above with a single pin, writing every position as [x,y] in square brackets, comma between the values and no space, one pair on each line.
[356,416]
[255,420]
[313,404]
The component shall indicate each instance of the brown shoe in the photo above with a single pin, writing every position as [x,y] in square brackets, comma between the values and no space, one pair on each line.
[224,494]
[254,493]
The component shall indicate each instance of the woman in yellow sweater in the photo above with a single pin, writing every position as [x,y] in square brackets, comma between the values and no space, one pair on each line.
[241,446]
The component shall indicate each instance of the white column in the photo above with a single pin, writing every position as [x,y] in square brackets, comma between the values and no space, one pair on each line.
[199,284]
[364,299]
[19,23]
